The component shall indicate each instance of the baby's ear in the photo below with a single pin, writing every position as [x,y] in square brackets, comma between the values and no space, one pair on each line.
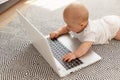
[82,24]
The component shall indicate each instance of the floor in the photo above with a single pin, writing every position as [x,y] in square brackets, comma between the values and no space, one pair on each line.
[10,13]
[17,61]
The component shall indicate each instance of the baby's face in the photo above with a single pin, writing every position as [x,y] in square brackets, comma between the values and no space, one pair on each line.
[73,25]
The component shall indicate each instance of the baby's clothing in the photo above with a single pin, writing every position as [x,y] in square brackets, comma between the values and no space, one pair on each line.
[100,31]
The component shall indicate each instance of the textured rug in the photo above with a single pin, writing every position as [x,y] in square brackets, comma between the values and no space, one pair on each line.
[19,60]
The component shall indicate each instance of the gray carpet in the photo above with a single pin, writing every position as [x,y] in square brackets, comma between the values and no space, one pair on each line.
[19,60]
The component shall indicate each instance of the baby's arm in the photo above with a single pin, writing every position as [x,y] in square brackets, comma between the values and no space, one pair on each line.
[60,31]
[82,50]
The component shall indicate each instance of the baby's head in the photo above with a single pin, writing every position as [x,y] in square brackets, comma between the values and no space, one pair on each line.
[76,17]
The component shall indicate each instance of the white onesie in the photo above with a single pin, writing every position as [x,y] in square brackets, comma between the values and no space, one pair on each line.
[99,31]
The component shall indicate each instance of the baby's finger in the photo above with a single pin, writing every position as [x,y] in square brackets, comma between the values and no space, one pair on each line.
[55,35]
[65,59]
[66,55]
[69,59]
[52,35]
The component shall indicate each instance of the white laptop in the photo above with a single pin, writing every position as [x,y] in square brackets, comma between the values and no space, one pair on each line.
[53,50]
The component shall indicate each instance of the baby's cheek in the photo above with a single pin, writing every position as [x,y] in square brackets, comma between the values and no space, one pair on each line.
[75,31]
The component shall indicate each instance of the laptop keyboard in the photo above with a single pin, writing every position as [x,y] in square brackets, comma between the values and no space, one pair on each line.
[59,50]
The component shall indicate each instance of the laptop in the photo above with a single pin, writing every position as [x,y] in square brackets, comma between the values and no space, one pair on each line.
[53,50]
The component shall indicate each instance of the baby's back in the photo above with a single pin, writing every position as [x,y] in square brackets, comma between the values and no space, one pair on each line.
[106,28]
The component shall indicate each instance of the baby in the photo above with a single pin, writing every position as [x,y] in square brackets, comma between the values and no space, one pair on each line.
[89,32]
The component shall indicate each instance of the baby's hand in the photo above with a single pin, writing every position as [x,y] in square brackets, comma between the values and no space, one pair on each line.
[68,57]
[54,34]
